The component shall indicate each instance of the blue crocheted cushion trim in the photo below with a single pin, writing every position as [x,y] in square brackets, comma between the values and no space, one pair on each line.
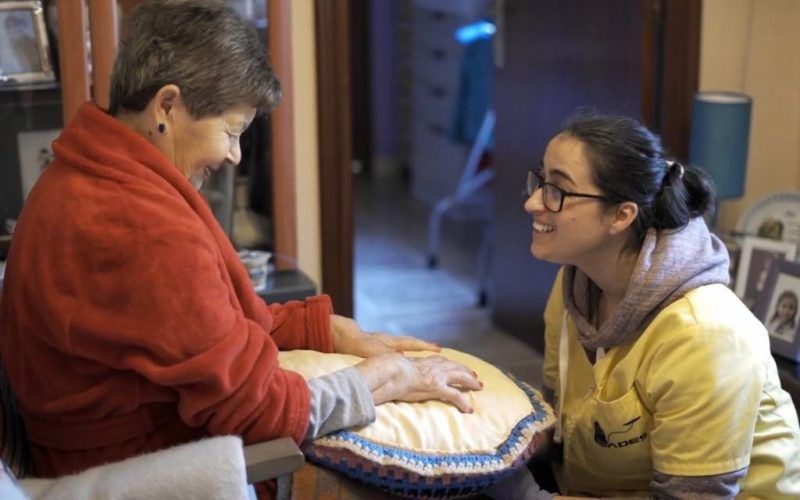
[453,474]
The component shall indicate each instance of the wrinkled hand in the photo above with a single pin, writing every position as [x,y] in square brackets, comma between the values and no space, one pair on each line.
[393,377]
[349,338]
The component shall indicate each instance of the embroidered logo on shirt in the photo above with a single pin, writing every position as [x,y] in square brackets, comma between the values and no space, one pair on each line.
[609,441]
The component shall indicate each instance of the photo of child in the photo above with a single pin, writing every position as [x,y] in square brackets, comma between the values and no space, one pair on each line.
[778,308]
[761,261]
[783,321]
[759,256]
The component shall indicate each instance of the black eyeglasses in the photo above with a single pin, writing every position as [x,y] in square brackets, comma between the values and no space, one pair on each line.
[552,195]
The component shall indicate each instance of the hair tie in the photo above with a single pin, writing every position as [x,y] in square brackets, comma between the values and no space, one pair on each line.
[672,164]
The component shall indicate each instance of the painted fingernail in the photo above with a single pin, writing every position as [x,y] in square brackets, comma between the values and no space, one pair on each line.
[471,410]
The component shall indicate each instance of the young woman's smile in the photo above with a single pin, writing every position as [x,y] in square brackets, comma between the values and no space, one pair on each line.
[568,227]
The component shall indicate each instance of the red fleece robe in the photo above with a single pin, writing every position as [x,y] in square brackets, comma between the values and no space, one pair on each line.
[129,323]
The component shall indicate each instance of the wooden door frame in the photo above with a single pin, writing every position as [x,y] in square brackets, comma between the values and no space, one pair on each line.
[671,69]
[282,164]
[73,57]
[335,150]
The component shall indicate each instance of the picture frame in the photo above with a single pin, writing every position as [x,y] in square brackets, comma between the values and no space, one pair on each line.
[778,308]
[24,44]
[733,246]
[755,262]
[775,216]
[35,154]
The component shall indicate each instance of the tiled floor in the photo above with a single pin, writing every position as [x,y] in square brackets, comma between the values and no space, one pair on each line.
[395,291]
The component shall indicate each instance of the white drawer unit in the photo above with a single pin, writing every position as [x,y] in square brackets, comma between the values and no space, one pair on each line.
[434,56]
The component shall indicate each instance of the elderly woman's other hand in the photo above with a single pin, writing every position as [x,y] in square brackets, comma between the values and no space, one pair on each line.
[394,377]
[349,338]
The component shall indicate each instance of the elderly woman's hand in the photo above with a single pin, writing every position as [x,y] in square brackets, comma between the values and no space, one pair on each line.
[349,338]
[394,377]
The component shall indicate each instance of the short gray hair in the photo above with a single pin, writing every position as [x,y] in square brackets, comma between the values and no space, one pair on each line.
[214,56]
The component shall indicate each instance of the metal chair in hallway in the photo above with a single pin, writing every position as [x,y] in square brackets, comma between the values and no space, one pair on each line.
[473,178]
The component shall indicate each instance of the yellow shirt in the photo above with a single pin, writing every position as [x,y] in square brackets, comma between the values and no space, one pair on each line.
[697,394]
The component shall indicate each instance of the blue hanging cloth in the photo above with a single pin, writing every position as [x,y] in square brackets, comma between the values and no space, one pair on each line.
[474,83]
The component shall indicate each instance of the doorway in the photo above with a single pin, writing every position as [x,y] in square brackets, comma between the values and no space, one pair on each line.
[409,162]
[557,57]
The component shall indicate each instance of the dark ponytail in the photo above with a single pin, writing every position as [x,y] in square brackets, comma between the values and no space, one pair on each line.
[629,164]
[687,193]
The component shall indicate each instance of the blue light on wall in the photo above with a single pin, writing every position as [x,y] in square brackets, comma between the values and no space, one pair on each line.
[720,133]
[479,30]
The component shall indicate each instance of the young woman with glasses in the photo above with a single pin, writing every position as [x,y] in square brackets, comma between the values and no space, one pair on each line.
[663,381]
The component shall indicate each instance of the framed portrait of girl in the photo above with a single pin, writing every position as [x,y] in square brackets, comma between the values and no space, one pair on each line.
[758,257]
[778,307]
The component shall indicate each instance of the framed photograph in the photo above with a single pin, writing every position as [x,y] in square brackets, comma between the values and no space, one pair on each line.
[778,309]
[35,154]
[734,248]
[757,257]
[24,47]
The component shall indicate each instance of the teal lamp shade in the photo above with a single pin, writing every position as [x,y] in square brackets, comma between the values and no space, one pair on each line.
[720,132]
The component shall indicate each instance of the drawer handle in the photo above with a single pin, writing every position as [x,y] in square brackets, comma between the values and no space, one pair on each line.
[438,54]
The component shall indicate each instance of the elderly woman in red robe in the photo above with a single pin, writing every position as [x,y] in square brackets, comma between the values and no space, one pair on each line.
[128,321]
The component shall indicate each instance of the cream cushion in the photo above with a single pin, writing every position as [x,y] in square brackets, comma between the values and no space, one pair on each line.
[425,447]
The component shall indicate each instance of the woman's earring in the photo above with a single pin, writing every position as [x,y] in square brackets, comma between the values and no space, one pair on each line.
[161,128]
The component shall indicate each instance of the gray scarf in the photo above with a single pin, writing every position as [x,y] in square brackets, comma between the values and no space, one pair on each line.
[670,264]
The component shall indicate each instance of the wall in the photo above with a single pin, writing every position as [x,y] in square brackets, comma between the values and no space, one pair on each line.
[751,46]
[305,124]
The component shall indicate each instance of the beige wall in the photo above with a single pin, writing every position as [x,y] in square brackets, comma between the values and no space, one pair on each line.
[305,130]
[753,46]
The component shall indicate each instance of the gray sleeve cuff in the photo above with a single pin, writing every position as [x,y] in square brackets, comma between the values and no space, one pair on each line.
[339,400]
[718,486]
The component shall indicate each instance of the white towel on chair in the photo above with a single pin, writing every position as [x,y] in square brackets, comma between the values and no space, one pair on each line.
[207,469]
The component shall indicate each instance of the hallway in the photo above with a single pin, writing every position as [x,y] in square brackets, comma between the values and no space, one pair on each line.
[395,291]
